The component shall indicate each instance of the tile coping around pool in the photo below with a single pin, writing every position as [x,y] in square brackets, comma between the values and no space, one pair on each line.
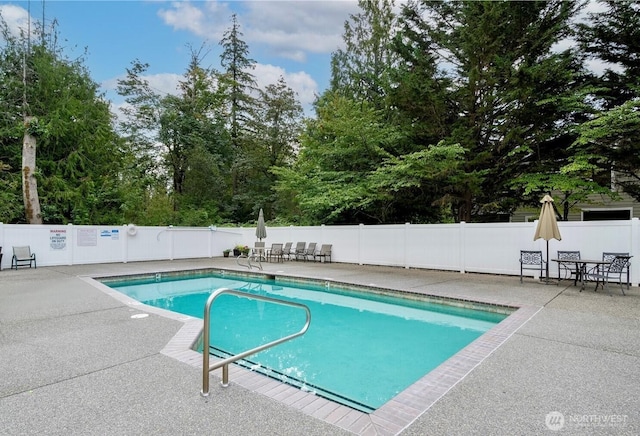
[393,416]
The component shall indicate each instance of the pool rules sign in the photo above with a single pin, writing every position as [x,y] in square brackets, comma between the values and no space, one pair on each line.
[58,239]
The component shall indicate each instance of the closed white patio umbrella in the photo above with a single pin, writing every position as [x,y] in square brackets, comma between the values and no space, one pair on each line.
[261,228]
[547,226]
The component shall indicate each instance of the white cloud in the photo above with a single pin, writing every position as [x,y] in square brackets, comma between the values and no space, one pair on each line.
[292,29]
[17,19]
[183,16]
[208,21]
[300,82]
[163,84]
[285,29]
[288,29]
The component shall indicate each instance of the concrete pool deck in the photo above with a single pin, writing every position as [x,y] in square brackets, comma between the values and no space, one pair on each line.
[74,361]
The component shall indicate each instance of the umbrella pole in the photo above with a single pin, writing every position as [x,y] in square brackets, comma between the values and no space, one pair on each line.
[547,277]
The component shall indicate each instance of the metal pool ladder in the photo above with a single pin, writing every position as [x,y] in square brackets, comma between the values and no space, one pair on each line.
[224,364]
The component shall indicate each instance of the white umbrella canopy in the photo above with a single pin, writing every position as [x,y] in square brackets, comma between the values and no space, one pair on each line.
[261,228]
[547,225]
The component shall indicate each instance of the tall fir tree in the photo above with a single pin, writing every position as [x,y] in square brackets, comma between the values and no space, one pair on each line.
[362,69]
[505,86]
[607,150]
[241,88]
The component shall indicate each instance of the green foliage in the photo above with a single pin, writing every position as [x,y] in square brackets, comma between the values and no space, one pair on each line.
[362,70]
[339,153]
[610,142]
[447,111]
[500,66]
[77,150]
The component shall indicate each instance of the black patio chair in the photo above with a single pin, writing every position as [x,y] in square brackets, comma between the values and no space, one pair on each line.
[568,270]
[531,260]
[609,256]
[614,270]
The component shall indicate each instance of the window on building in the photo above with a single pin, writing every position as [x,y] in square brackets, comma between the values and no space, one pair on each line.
[606,214]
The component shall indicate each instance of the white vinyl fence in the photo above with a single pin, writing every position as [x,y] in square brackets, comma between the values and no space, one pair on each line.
[485,248]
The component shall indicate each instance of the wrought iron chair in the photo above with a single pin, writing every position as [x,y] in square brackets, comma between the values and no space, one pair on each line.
[531,260]
[610,256]
[569,269]
[614,270]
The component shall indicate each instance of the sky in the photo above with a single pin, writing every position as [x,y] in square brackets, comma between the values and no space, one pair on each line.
[292,39]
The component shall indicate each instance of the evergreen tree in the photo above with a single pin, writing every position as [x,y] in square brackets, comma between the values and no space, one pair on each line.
[613,36]
[78,153]
[607,152]
[236,66]
[240,86]
[362,70]
[187,131]
[505,90]
[277,127]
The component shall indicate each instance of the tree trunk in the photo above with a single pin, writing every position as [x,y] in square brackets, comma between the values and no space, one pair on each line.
[29,182]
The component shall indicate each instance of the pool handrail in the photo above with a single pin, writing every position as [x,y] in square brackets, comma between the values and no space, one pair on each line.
[206,369]
[248,264]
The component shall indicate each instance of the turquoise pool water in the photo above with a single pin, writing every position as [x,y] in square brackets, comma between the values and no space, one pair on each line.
[361,349]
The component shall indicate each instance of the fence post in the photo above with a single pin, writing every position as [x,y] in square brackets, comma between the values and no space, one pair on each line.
[463,246]
[360,231]
[125,244]
[171,245]
[1,242]
[405,259]
[635,251]
[211,230]
[70,244]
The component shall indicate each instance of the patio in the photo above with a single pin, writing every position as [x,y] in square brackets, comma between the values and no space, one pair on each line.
[75,362]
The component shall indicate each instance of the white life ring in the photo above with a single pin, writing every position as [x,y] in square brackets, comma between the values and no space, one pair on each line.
[132,230]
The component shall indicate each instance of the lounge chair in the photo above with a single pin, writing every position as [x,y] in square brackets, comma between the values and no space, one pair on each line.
[531,260]
[300,250]
[614,270]
[275,252]
[258,251]
[324,253]
[286,251]
[22,256]
[310,252]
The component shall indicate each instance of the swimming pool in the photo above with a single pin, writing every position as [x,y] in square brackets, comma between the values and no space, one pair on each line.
[361,349]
